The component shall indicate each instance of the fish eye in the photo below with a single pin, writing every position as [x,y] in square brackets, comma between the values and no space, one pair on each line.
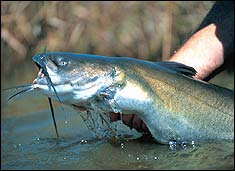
[62,62]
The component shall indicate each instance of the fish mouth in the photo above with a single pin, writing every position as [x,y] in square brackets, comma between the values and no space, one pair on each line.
[43,76]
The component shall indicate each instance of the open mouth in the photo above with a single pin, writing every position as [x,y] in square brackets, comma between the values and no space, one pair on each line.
[41,73]
[41,76]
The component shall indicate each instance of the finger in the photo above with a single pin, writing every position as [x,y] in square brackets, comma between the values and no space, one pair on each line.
[114,116]
[139,124]
[80,108]
[136,122]
[127,120]
[144,127]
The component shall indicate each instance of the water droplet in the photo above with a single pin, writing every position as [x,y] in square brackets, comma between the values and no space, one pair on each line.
[66,121]
[19,145]
[175,51]
[65,158]
[37,139]
[183,144]
[155,158]
[193,144]
[83,141]
[172,145]
[122,145]
[137,158]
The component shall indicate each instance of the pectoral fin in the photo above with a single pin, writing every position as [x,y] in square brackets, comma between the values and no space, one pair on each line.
[179,68]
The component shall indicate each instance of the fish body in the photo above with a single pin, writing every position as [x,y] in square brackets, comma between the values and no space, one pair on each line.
[173,105]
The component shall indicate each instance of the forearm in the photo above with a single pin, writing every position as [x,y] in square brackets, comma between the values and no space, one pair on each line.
[211,47]
[203,51]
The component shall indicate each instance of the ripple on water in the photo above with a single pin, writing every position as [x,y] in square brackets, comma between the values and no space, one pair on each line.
[30,142]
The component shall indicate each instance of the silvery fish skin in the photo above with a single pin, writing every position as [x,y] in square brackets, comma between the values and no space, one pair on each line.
[174,106]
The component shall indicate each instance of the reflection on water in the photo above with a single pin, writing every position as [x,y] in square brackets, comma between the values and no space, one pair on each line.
[29,142]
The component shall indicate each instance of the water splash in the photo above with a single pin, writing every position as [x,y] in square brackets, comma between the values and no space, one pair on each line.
[100,125]
[108,96]
[174,145]
[98,122]
[96,116]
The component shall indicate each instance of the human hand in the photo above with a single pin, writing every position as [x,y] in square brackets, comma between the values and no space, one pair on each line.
[131,120]
[204,51]
[209,50]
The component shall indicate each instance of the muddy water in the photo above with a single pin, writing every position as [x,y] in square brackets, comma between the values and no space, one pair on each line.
[28,141]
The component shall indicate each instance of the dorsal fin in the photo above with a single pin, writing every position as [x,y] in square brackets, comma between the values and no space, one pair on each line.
[179,68]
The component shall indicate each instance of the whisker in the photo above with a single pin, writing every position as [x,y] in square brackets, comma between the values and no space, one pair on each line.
[51,84]
[19,87]
[23,91]
[53,116]
[50,102]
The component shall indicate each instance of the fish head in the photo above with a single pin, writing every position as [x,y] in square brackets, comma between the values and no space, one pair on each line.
[72,78]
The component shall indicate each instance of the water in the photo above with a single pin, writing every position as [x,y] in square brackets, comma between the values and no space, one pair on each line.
[28,141]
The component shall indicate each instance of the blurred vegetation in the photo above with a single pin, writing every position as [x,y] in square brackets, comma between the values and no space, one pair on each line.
[144,30]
